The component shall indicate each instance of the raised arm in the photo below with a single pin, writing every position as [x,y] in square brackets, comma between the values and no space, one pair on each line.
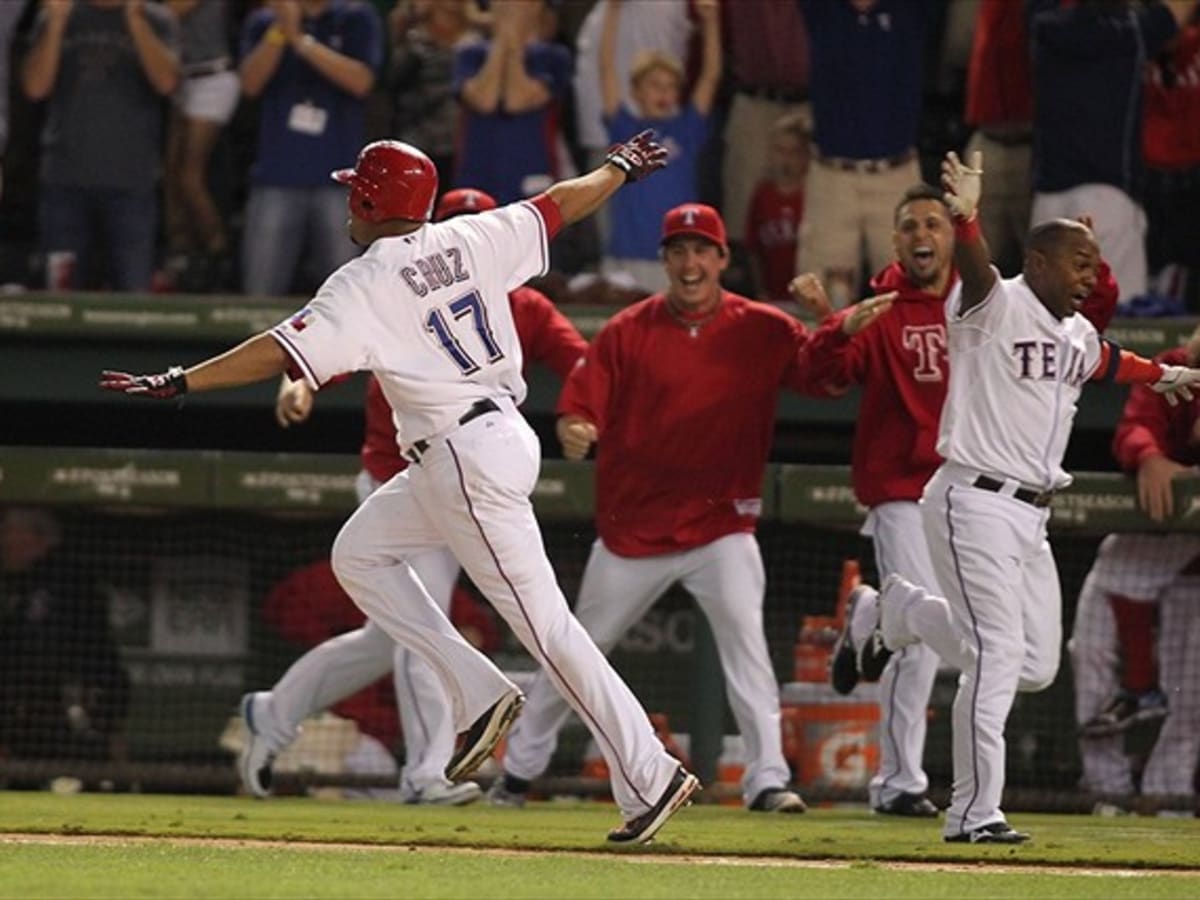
[481,92]
[520,92]
[159,62]
[258,66]
[633,160]
[705,90]
[963,184]
[610,78]
[40,69]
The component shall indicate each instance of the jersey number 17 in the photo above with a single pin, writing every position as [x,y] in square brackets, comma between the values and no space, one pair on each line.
[471,308]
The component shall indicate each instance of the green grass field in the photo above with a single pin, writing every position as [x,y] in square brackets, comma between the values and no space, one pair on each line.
[120,845]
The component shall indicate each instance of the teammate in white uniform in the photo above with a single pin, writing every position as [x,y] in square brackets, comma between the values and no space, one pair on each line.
[426,309]
[1018,359]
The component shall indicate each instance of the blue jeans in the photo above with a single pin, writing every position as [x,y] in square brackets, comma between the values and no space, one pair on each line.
[281,224]
[125,221]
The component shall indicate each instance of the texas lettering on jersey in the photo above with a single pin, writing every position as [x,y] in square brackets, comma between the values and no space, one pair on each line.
[1039,360]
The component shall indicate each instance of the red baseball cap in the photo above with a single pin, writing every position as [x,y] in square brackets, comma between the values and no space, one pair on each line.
[462,201]
[695,220]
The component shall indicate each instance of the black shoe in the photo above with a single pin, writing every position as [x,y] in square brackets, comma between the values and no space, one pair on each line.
[915,805]
[1125,711]
[780,800]
[993,833]
[874,656]
[482,737]
[678,794]
[843,661]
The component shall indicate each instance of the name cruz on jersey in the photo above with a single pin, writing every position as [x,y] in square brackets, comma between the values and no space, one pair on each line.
[437,271]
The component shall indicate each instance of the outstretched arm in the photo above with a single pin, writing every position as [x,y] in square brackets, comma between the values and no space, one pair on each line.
[963,184]
[254,360]
[577,198]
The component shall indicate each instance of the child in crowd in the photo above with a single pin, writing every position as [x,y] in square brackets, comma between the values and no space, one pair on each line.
[777,208]
[657,81]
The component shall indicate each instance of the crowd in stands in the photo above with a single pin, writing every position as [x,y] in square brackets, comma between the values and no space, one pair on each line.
[185,145]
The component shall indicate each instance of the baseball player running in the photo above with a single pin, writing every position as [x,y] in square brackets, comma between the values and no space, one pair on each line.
[342,665]
[425,308]
[679,394]
[900,360]
[1018,359]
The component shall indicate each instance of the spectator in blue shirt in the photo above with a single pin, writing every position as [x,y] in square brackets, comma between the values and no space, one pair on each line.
[510,88]
[312,64]
[656,87]
[865,84]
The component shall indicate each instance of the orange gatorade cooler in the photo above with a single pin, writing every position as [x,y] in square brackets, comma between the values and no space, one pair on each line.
[831,741]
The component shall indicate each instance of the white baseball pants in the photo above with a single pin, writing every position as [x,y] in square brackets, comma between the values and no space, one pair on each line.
[1141,567]
[728,581]
[1000,624]
[907,682]
[470,493]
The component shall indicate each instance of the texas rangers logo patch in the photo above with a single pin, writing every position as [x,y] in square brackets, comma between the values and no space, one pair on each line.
[299,321]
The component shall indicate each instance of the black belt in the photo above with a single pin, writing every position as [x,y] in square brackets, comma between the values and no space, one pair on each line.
[869,166]
[1040,499]
[479,408]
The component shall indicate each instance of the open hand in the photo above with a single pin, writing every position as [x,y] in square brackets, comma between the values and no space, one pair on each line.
[963,184]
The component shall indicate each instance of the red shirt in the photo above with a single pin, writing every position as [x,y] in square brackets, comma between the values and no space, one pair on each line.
[772,231]
[546,336]
[685,417]
[1150,426]
[1171,120]
[901,362]
[999,89]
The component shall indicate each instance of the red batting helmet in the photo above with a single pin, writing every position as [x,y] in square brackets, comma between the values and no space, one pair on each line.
[391,180]
[462,201]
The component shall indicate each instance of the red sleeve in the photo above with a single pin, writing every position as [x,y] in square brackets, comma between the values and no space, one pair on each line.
[588,388]
[547,336]
[551,215]
[837,359]
[309,606]
[1101,304]
[1144,428]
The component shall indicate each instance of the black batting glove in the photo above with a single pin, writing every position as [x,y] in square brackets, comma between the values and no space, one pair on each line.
[638,157]
[161,386]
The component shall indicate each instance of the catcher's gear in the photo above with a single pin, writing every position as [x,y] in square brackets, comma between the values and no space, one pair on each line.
[638,157]
[963,184]
[391,180]
[161,386]
[1176,382]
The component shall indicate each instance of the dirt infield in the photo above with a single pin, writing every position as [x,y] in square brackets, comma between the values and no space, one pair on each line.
[104,840]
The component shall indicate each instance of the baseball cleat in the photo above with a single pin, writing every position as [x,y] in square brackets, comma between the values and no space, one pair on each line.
[874,656]
[256,757]
[508,791]
[779,800]
[843,661]
[915,806]
[678,794]
[438,794]
[992,833]
[1125,711]
[483,736]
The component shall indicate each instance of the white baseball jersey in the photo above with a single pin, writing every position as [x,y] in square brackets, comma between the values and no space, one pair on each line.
[428,313]
[1015,379]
